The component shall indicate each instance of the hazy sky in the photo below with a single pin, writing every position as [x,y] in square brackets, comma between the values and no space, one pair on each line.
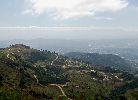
[68,19]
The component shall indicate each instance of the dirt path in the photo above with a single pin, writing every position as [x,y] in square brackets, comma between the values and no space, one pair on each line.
[54,59]
[63,93]
[36,79]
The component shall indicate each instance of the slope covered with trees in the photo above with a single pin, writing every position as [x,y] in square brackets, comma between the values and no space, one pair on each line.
[102,60]
[30,74]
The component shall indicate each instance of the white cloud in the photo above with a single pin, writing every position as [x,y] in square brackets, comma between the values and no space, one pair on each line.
[103,18]
[65,9]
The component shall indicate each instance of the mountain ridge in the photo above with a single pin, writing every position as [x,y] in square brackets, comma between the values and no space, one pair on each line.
[105,60]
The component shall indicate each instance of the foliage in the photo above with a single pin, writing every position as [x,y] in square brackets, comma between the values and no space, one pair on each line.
[27,73]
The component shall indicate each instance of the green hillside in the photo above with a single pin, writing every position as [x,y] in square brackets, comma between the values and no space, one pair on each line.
[30,74]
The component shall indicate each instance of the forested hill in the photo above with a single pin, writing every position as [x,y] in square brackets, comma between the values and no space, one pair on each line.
[102,60]
[31,74]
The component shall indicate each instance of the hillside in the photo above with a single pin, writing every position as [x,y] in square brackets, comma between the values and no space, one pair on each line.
[102,60]
[31,74]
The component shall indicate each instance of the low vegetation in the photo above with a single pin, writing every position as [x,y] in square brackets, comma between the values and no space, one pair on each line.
[30,74]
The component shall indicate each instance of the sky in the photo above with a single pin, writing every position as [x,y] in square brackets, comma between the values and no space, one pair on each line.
[68,19]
